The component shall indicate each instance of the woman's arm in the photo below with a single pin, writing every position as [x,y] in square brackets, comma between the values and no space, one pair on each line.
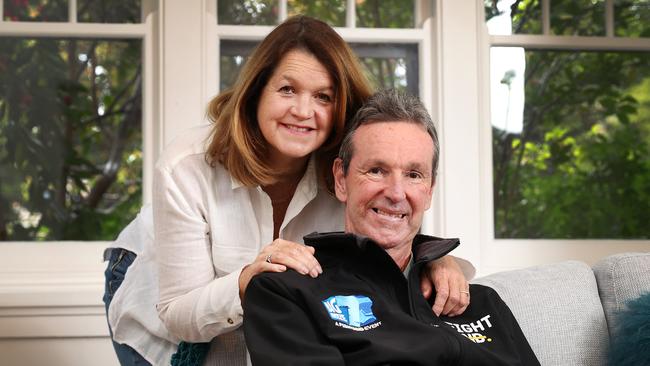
[448,276]
[195,305]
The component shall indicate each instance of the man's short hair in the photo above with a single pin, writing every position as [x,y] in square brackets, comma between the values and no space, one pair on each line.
[390,106]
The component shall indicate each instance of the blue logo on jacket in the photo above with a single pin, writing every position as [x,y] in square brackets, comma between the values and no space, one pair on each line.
[353,310]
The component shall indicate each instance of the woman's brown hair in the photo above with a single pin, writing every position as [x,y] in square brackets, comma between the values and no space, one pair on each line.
[237,141]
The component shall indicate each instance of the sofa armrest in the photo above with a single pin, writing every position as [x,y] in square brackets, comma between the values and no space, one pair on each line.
[558,309]
[621,278]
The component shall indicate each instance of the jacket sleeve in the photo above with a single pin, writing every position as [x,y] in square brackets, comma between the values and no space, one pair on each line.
[279,331]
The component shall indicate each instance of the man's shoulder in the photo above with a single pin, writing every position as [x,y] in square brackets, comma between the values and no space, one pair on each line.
[288,281]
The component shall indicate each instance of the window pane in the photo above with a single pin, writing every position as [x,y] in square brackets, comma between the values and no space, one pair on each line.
[386,65]
[385,13]
[331,12]
[70,138]
[108,11]
[632,18]
[505,17]
[248,12]
[233,56]
[571,144]
[578,18]
[390,65]
[36,10]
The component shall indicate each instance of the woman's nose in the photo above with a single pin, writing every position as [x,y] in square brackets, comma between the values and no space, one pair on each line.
[303,108]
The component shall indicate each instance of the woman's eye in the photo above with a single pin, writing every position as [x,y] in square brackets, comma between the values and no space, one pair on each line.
[324,97]
[286,89]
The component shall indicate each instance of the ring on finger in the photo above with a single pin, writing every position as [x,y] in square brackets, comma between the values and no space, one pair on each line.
[464,292]
[268,258]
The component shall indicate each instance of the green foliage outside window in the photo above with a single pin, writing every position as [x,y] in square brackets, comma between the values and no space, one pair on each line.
[35,10]
[385,13]
[580,167]
[70,126]
[331,12]
[70,138]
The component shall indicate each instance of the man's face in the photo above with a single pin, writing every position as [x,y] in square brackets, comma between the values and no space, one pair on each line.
[389,182]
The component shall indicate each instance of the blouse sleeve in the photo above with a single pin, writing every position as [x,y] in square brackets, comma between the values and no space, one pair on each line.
[195,305]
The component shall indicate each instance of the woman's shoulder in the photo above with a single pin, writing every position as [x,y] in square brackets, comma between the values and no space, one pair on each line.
[191,143]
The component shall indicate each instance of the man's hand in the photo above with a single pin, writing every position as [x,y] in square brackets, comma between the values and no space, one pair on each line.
[452,289]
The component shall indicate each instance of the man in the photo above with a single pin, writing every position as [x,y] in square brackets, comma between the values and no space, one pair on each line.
[367,307]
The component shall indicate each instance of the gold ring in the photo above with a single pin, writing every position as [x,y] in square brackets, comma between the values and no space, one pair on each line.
[464,292]
[268,258]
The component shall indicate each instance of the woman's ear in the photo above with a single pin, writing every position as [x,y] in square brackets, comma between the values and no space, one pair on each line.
[339,180]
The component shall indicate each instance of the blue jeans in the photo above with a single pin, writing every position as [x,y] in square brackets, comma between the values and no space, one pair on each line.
[118,263]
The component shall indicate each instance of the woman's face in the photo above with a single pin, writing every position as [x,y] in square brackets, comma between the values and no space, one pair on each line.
[295,109]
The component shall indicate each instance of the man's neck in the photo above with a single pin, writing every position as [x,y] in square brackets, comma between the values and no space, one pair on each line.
[401,256]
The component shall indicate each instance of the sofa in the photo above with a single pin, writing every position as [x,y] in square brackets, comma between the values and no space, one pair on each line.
[568,310]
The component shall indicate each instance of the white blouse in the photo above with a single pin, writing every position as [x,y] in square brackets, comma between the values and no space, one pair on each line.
[208,226]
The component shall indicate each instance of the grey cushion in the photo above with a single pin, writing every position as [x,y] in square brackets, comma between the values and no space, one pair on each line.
[621,278]
[558,309]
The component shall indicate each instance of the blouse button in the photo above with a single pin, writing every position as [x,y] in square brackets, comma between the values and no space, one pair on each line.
[230,321]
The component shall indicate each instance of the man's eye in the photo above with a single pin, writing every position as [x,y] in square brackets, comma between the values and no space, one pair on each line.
[375,171]
[415,175]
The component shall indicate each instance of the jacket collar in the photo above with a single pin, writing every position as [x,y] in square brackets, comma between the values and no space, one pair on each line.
[425,248]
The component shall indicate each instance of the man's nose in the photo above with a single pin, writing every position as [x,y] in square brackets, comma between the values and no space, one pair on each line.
[395,188]
[302,108]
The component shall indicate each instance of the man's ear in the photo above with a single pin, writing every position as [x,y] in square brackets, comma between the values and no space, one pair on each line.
[339,180]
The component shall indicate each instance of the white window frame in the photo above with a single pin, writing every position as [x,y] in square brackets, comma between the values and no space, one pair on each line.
[54,289]
[504,254]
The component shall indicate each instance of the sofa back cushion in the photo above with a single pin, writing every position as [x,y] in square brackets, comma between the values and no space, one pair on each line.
[558,309]
[621,278]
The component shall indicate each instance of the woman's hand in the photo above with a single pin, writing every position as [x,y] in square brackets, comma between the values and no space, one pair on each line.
[452,289]
[277,257]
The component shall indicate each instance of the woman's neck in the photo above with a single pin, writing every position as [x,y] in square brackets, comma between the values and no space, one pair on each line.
[281,192]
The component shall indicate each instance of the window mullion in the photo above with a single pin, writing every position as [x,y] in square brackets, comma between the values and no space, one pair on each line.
[351,14]
[584,43]
[546,17]
[72,11]
[609,18]
[282,13]
[77,30]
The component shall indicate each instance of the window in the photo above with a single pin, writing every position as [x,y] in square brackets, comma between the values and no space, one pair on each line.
[388,64]
[70,119]
[77,146]
[570,115]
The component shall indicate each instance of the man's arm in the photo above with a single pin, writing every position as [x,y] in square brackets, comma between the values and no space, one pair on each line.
[279,331]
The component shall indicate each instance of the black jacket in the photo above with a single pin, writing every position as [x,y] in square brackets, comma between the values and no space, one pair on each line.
[363,311]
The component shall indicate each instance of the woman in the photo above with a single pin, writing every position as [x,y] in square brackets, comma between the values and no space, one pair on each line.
[261,173]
